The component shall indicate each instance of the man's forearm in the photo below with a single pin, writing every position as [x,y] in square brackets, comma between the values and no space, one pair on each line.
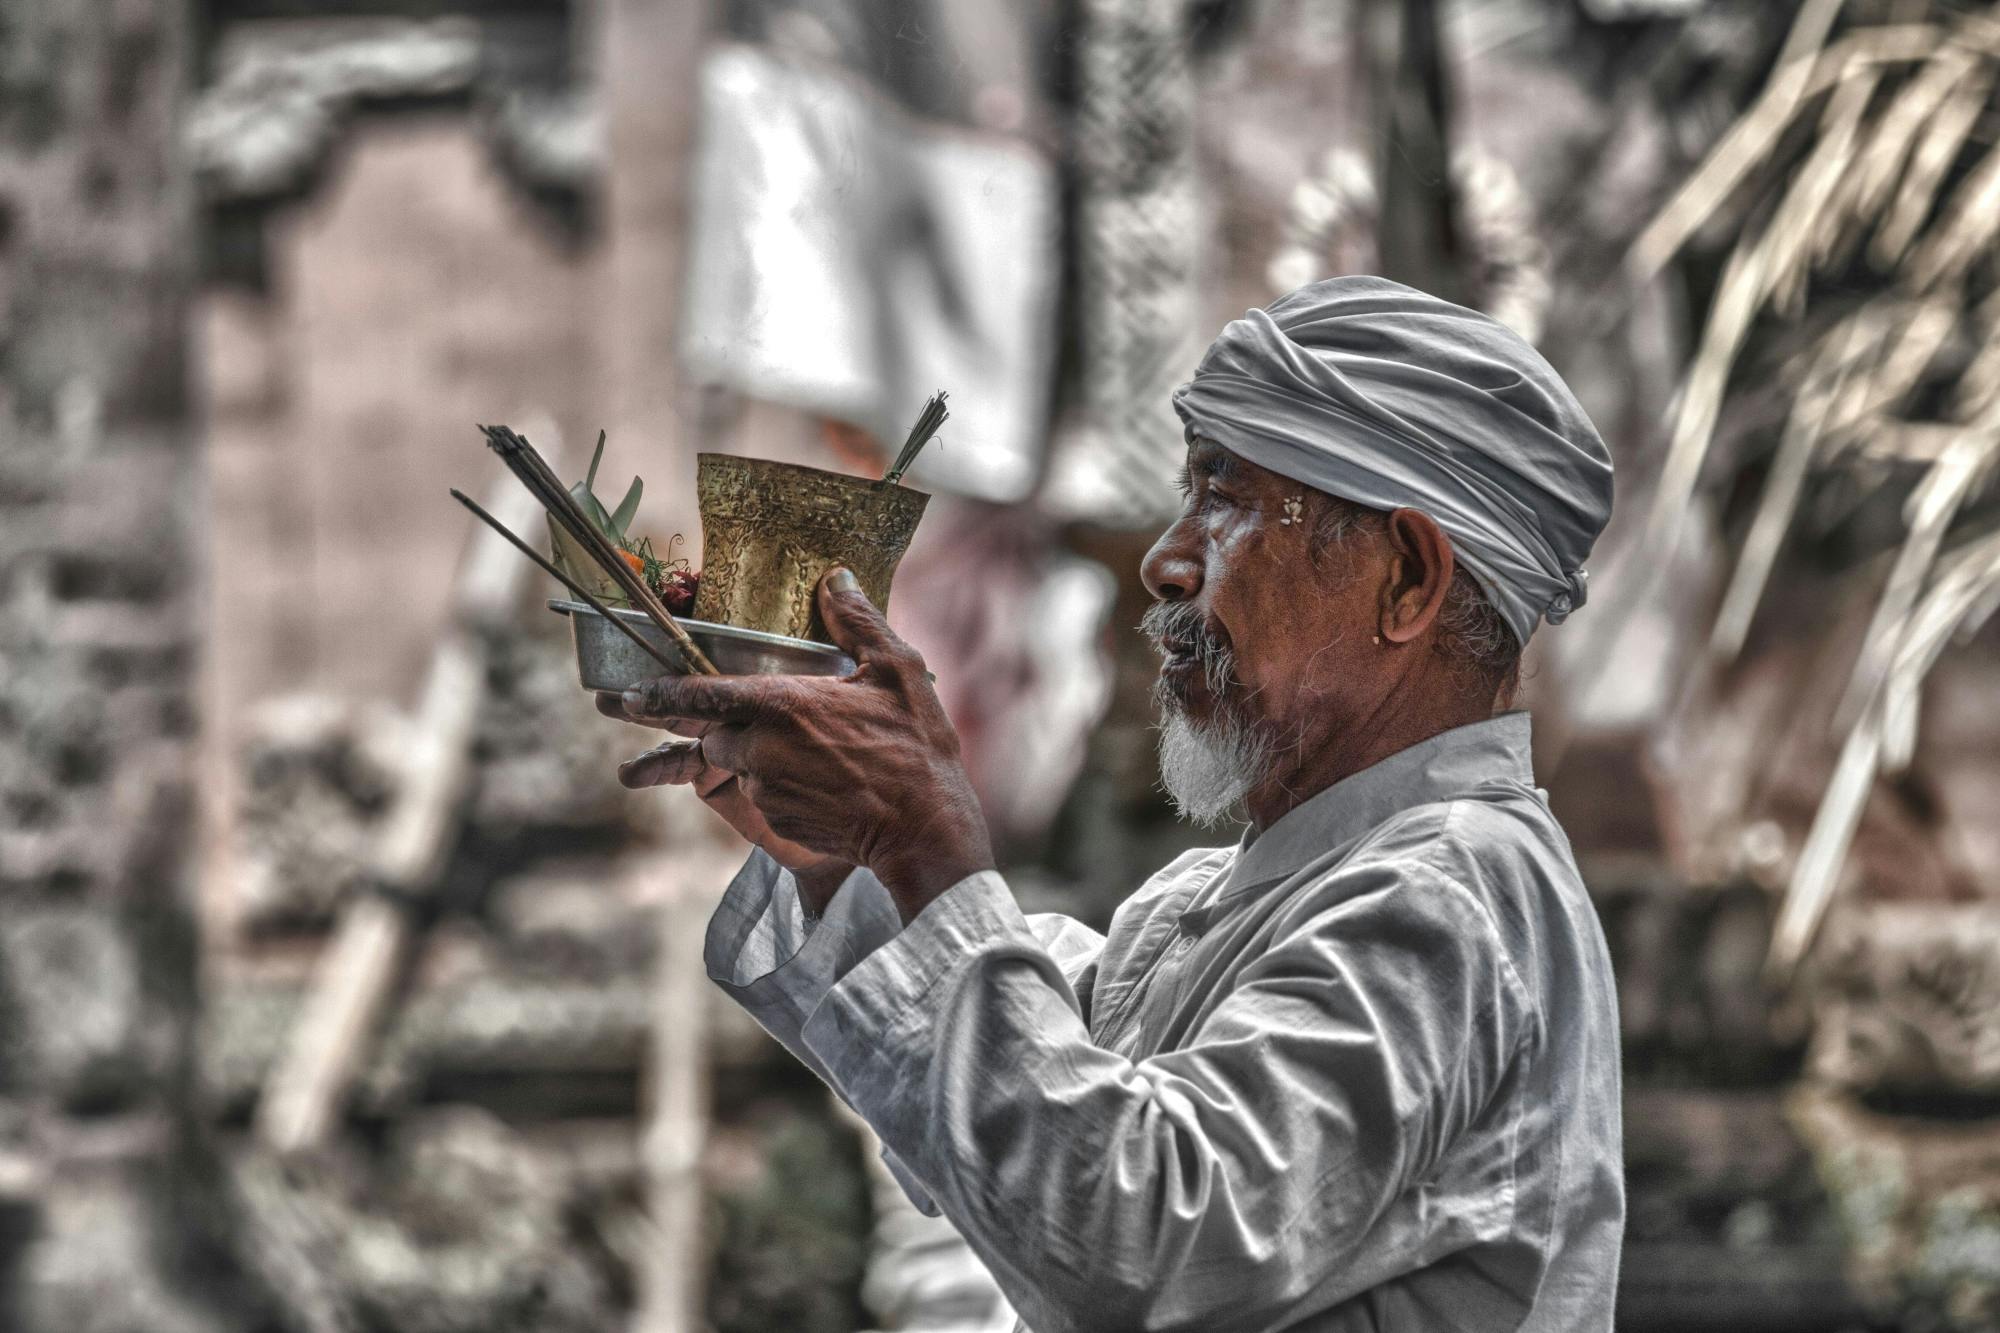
[916,883]
[947,848]
[913,882]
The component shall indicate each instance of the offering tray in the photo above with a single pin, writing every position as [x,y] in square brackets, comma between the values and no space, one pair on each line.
[607,660]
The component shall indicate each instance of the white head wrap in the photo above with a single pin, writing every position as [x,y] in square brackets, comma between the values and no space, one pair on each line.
[1386,397]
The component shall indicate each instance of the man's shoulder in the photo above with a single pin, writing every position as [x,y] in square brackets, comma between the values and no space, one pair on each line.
[1501,847]
[1502,835]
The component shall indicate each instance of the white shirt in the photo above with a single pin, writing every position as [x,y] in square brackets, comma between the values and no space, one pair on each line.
[1371,1083]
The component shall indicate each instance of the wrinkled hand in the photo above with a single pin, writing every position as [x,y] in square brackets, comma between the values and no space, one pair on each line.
[682,763]
[860,770]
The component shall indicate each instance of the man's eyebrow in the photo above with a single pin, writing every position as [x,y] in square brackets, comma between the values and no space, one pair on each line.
[1210,461]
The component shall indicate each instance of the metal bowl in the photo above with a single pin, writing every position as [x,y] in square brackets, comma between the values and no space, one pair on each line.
[607,660]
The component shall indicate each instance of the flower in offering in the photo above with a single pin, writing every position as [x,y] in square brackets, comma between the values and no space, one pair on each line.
[677,590]
[673,581]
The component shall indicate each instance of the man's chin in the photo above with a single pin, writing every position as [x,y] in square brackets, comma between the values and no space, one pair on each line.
[1209,768]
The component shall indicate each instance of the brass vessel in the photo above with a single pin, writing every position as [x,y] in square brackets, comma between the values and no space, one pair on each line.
[770,530]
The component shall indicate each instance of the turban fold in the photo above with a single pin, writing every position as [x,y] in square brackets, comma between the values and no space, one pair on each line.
[1383,396]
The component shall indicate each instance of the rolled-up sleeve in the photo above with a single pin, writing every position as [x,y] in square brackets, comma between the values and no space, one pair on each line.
[1223,1186]
[760,950]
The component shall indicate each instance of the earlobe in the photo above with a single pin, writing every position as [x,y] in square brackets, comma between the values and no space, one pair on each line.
[1387,618]
[1424,567]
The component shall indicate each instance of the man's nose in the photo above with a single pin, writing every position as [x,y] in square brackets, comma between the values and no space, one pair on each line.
[1171,570]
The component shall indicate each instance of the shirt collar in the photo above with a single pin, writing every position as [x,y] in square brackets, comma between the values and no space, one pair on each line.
[1448,764]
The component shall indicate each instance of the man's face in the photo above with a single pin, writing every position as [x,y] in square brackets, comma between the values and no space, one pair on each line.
[1263,640]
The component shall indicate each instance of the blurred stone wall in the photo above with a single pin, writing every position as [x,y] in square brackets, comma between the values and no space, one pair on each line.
[100,1170]
[417,217]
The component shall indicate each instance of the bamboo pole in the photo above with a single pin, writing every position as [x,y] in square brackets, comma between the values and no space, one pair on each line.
[648,58]
[701,856]
[357,972]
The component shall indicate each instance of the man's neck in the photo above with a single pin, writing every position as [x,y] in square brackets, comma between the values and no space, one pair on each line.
[1353,744]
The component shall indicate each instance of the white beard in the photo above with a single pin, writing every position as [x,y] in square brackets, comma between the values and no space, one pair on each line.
[1208,770]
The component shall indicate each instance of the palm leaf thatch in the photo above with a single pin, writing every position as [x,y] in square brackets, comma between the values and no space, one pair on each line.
[1870,149]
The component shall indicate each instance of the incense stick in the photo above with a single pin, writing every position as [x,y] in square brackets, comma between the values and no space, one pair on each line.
[927,425]
[567,582]
[533,471]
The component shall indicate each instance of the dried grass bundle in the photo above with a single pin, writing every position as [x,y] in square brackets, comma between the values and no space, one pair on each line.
[1893,167]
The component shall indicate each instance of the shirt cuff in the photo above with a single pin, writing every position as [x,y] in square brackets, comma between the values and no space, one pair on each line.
[760,950]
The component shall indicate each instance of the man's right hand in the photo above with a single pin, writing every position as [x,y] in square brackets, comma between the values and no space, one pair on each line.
[680,762]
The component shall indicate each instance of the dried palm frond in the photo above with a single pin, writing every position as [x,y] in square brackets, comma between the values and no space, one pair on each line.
[1751,141]
[1930,511]
[1970,222]
[1893,166]
[1882,163]
[1817,872]
[1868,363]
[1977,393]
[1963,597]
[1958,605]
[1745,282]
[1804,431]
[1794,227]
[1857,348]
[1942,138]
[1748,142]
[1881,446]
[1915,331]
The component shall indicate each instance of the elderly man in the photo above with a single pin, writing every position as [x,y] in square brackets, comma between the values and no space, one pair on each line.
[1357,1071]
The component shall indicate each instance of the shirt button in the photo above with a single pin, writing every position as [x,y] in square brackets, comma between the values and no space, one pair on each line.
[1186,943]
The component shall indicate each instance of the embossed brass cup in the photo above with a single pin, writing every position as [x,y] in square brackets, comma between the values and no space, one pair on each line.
[770,530]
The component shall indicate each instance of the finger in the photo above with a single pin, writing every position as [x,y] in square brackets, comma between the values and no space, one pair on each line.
[854,624]
[727,748]
[679,699]
[612,704]
[741,813]
[729,800]
[664,765]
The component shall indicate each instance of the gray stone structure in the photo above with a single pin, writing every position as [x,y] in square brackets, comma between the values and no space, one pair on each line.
[101,1161]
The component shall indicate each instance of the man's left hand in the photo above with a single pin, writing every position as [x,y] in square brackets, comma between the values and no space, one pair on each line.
[864,768]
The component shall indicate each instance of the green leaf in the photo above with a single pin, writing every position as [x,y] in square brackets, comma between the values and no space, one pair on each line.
[590,478]
[570,558]
[593,510]
[628,507]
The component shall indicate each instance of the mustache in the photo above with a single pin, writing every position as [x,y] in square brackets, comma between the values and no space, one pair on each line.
[1179,629]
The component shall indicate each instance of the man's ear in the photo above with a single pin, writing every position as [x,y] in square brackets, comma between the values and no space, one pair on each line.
[1421,566]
